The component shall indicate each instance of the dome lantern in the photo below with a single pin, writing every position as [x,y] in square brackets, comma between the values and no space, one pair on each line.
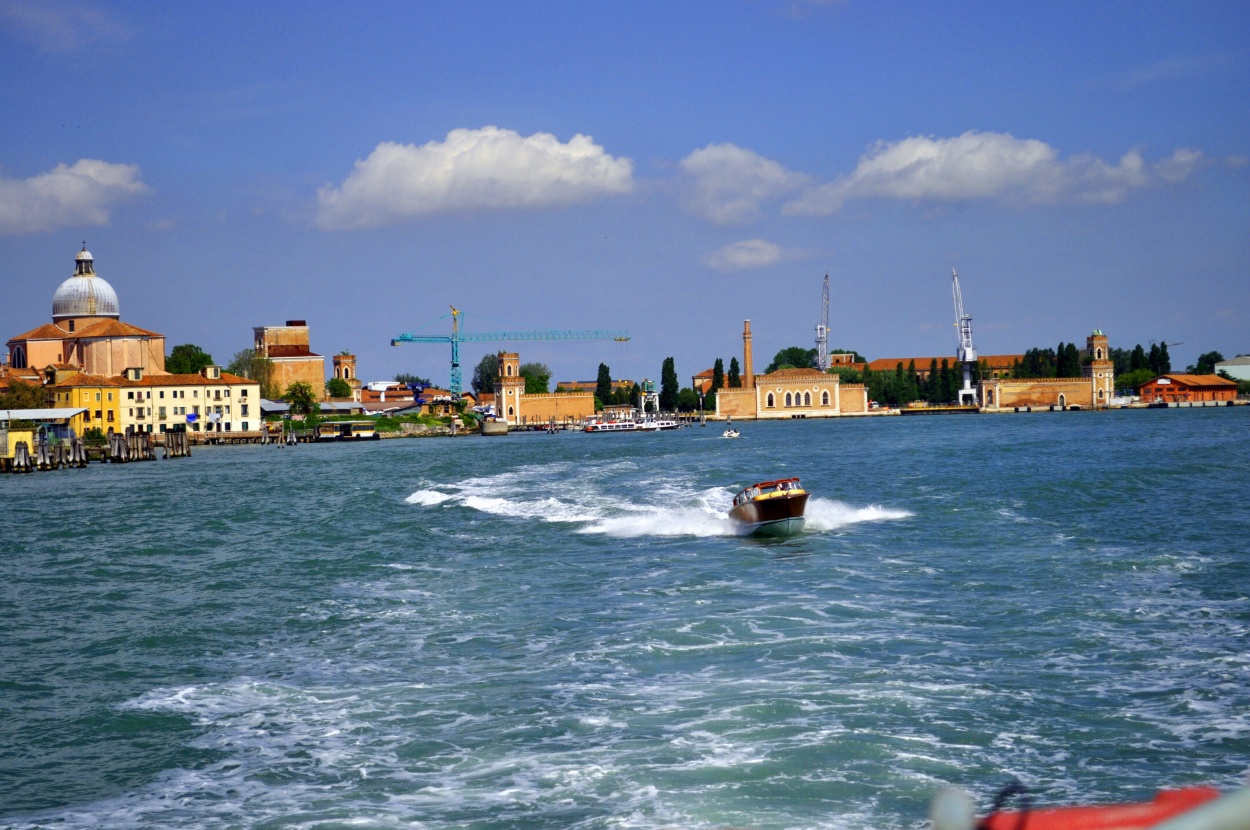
[84,294]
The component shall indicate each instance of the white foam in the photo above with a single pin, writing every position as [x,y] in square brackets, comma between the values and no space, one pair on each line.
[428,497]
[827,514]
[662,522]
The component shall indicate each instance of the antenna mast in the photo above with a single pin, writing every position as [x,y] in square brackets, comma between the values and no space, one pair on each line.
[967,354]
[822,330]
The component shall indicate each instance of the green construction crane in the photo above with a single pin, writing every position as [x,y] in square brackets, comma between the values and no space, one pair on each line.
[457,337]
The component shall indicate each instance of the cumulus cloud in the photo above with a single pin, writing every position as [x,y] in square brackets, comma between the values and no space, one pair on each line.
[990,166]
[81,194]
[728,184]
[753,253]
[485,169]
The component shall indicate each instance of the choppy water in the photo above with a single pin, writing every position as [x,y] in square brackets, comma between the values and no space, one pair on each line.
[563,632]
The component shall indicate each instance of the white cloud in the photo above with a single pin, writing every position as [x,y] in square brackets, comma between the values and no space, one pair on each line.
[749,253]
[60,26]
[728,184]
[486,169]
[77,195]
[989,167]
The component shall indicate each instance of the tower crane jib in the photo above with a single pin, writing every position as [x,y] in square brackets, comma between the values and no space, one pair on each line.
[459,336]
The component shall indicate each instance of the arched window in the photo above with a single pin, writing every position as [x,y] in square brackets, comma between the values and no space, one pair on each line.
[788,400]
[824,398]
[768,402]
[511,411]
[19,357]
[807,398]
[508,370]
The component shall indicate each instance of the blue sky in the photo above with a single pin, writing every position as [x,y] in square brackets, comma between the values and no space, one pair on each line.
[667,168]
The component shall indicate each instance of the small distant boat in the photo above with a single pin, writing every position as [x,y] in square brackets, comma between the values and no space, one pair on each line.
[771,508]
[731,433]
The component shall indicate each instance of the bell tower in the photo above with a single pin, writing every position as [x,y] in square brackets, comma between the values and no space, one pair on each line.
[345,369]
[509,388]
[1100,369]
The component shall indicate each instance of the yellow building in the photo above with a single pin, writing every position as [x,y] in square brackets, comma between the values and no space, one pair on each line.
[287,347]
[789,393]
[513,405]
[211,401]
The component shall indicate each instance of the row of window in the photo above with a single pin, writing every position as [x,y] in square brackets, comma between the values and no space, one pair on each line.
[795,399]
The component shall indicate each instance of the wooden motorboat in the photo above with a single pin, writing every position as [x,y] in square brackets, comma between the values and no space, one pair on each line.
[771,508]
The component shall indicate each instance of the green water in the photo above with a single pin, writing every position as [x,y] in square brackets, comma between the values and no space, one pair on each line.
[564,632]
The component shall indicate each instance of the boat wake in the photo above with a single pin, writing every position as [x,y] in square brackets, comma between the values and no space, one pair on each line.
[668,509]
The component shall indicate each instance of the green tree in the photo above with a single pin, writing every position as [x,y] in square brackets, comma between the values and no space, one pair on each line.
[302,399]
[859,358]
[1138,360]
[792,357]
[668,386]
[537,378]
[1206,364]
[933,383]
[1133,379]
[338,388]
[603,385]
[1165,361]
[1037,363]
[187,359]
[484,373]
[735,378]
[1067,361]
[21,395]
[250,364]
[718,376]
[1153,360]
[687,400]
[405,378]
[911,388]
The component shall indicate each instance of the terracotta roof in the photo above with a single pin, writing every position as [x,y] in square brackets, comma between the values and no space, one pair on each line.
[994,361]
[291,351]
[113,328]
[47,331]
[82,379]
[1198,380]
[797,373]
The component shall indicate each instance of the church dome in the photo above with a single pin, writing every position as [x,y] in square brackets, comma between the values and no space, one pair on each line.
[84,294]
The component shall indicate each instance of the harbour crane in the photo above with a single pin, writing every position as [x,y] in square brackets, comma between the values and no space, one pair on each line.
[457,337]
[822,330]
[967,354]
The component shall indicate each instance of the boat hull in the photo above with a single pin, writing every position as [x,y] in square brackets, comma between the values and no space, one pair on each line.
[494,427]
[776,516]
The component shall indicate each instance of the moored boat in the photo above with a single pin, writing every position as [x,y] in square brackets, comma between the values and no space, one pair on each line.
[771,508]
[492,426]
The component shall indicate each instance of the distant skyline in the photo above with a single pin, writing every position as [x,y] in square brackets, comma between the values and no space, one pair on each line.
[667,168]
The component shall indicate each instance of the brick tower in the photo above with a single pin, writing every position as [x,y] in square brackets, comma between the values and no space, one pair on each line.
[1100,369]
[509,388]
